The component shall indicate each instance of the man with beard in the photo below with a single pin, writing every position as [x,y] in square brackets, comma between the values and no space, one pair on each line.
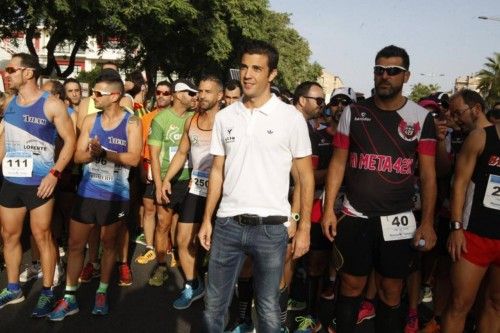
[376,147]
[195,142]
[73,91]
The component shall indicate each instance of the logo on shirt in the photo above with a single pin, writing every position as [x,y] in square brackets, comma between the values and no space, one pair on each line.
[116,141]
[229,138]
[195,140]
[173,134]
[494,161]
[408,132]
[363,117]
[269,131]
[35,146]
[34,120]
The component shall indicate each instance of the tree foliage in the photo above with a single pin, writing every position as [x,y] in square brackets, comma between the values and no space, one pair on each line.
[421,90]
[489,84]
[188,38]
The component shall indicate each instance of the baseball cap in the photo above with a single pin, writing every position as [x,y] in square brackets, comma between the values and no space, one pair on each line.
[441,98]
[429,103]
[183,85]
[346,91]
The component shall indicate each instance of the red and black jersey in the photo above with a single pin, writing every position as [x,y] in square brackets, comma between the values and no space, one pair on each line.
[383,147]
[482,209]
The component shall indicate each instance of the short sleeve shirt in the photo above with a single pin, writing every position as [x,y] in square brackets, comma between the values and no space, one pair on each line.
[258,146]
[383,148]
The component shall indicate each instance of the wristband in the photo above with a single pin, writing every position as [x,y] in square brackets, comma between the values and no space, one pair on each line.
[55,173]
[103,153]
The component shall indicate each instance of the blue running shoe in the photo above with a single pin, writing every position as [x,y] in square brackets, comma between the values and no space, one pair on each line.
[242,327]
[64,307]
[44,306]
[10,297]
[101,304]
[189,295]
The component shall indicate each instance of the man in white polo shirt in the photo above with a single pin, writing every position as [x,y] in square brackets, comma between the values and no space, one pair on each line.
[254,143]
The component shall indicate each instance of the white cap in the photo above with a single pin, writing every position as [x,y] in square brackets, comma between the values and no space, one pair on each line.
[346,91]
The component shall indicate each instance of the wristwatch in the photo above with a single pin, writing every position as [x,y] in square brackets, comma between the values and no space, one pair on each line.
[55,173]
[456,225]
[295,217]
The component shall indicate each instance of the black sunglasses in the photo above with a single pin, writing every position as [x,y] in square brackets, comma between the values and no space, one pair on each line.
[319,100]
[390,70]
[343,101]
[163,93]
[189,92]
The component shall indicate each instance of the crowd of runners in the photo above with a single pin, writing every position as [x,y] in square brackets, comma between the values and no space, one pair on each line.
[287,200]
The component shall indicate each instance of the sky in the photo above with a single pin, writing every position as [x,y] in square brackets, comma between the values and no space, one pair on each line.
[444,38]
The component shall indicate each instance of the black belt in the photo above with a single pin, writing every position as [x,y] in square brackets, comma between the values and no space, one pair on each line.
[250,219]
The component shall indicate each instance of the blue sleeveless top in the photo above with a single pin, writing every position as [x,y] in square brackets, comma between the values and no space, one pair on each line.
[103,179]
[29,135]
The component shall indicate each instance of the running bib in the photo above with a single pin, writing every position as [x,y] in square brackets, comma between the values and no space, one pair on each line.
[492,194]
[102,169]
[398,226]
[18,164]
[199,183]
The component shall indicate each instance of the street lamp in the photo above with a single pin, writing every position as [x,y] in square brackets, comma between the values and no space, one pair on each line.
[492,18]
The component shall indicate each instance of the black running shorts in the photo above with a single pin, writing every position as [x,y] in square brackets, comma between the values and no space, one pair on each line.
[100,212]
[363,247]
[15,196]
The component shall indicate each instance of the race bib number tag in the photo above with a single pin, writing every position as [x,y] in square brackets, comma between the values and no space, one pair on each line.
[102,169]
[398,226]
[18,164]
[492,194]
[199,183]
[171,154]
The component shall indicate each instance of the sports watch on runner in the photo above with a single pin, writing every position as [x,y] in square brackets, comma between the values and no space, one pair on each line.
[295,217]
[456,225]
[55,173]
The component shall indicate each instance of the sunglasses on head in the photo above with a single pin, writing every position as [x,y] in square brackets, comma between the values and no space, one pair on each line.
[390,70]
[319,100]
[99,93]
[163,93]
[189,92]
[343,101]
[12,70]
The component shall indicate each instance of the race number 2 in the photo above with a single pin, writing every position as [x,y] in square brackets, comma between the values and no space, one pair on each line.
[492,194]
[199,183]
[398,226]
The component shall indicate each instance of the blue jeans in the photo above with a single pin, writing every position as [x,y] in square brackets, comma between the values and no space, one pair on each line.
[231,242]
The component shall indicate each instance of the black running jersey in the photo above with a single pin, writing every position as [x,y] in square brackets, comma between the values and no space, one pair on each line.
[483,194]
[383,147]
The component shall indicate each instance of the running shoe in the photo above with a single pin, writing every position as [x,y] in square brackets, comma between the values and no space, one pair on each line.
[88,273]
[147,256]
[159,276]
[426,295]
[366,311]
[141,239]
[10,297]
[44,306]
[241,327]
[32,272]
[101,304]
[307,325]
[173,261]
[294,305]
[64,307]
[125,275]
[329,291]
[189,295]
[431,327]
[284,329]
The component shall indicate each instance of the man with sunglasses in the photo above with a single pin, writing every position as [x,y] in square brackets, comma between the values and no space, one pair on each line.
[163,101]
[164,138]
[32,120]
[377,145]
[108,146]
[340,98]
